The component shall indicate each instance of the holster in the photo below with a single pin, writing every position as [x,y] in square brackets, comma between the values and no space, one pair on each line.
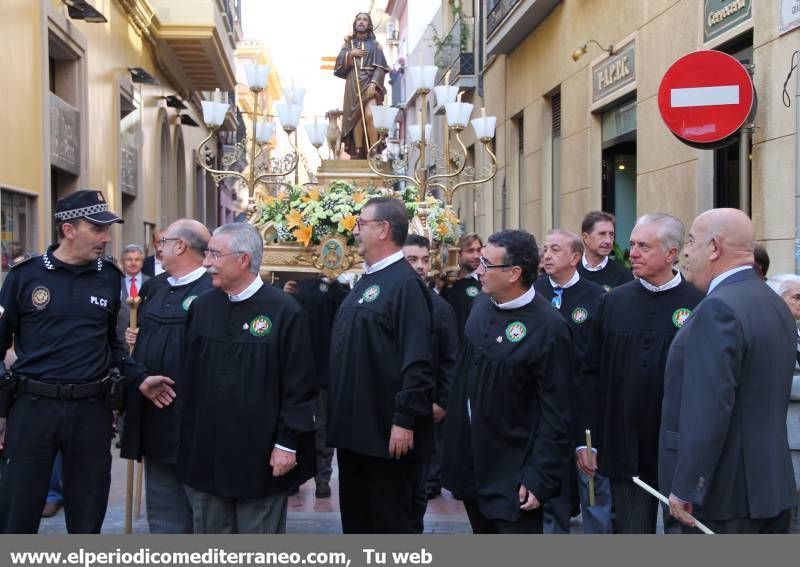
[114,390]
[8,386]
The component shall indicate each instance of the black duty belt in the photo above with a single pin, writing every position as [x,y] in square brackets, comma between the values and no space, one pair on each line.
[61,391]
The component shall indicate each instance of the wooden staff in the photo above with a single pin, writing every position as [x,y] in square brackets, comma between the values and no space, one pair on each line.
[642,484]
[590,455]
[360,100]
[133,303]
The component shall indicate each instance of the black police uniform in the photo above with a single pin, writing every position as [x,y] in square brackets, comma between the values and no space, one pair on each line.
[62,321]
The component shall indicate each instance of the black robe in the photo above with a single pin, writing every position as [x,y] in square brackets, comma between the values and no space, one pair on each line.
[578,304]
[460,296]
[380,367]
[613,275]
[149,431]
[320,300]
[249,385]
[508,420]
[623,378]
[445,348]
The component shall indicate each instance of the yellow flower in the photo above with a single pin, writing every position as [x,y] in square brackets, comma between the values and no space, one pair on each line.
[269,200]
[282,195]
[294,218]
[349,222]
[303,234]
[312,195]
[442,230]
[358,197]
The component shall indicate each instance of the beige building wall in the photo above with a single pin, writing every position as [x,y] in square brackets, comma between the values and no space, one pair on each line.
[107,51]
[671,177]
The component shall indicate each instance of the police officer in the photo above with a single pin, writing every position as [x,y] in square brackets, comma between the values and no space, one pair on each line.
[60,310]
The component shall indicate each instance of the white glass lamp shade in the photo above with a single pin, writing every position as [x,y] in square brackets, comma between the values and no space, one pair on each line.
[445,94]
[484,127]
[316,133]
[256,75]
[458,113]
[423,77]
[383,117]
[214,113]
[413,132]
[294,95]
[289,115]
[264,131]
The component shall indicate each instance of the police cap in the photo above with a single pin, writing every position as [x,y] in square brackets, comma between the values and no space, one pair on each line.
[85,204]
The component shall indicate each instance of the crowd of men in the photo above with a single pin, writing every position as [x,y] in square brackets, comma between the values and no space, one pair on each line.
[541,382]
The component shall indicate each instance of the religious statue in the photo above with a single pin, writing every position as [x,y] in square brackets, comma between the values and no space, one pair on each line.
[362,65]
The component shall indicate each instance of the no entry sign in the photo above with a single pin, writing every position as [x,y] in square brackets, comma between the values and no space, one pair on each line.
[705,97]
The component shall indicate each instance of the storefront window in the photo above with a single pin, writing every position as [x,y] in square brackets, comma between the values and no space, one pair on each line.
[16,224]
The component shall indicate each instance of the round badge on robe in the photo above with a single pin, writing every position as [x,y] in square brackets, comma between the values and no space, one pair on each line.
[680,316]
[472,291]
[323,287]
[187,302]
[371,293]
[516,331]
[260,326]
[40,297]
[579,315]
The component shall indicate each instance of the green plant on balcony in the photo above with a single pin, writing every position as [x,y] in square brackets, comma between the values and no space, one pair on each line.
[442,43]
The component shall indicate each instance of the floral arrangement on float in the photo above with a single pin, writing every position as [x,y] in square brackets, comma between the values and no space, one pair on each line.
[311,228]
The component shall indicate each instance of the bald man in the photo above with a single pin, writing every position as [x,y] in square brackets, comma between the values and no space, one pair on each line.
[152,431]
[724,452]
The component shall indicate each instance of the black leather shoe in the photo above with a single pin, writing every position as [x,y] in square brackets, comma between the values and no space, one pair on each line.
[323,490]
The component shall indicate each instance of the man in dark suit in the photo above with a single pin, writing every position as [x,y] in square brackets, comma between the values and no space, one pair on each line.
[132,282]
[724,453]
[152,264]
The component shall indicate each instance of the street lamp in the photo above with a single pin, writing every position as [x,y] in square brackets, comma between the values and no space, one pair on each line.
[581,51]
[214,113]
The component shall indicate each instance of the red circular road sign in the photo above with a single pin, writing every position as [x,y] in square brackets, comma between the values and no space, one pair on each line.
[705,97]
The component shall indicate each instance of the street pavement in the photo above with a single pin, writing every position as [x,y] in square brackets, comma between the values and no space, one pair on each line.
[306,514]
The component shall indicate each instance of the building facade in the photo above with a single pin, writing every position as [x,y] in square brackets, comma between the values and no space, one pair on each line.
[110,105]
[584,134]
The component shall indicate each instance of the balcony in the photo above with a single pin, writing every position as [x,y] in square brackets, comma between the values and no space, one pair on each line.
[193,40]
[455,55]
[511,21]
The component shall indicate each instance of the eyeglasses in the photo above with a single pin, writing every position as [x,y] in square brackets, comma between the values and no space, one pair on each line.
[361,222]
[163,241]
[215,255]
[487,266]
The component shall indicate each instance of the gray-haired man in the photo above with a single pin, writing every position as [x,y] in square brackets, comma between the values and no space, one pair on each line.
[247,434]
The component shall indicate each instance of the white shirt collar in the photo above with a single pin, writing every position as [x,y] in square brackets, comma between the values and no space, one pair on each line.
[188,278]
[474,275]
[521,301]
[157,267]
[572,281]
[674,282]
[596,268]
[724,275]
[249,291]
[388,261]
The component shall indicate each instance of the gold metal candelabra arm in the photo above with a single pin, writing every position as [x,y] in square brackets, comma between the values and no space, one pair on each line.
[455,173]
[450,193]
[376,171]
[272,175]
[217,173]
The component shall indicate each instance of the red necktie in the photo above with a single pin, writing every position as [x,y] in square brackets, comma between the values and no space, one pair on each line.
[134,292]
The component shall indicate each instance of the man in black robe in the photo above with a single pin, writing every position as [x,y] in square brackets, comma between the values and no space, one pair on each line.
[597,231]
[320,298]
[362,64]
[507,441]
[575,298]
[466,288]
[247,433]
[381,381]
[444,349]
[623,380]
[150,432]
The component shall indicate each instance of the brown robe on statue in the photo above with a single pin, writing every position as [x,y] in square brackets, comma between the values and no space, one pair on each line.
[372,69]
